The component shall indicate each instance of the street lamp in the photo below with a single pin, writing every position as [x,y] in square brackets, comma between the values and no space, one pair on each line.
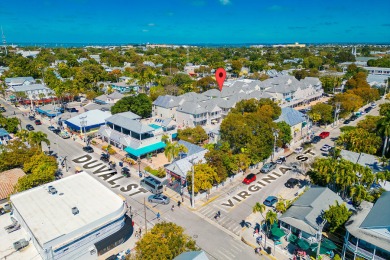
[139,165]
[83,123]
[193,181]
[276,135]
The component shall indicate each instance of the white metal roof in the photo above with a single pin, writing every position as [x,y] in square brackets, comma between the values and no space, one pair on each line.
[50,216]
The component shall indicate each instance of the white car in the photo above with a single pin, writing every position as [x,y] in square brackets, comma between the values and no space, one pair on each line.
[326,148]
[298,150]
[373,104]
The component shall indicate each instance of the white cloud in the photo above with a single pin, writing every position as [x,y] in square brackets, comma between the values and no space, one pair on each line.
[224,2]
[144,30]
[151,24]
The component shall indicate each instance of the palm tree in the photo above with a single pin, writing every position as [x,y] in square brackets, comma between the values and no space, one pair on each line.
[383,160]
[181,148]
[270,218]
[36,139]
[358,193]
[384,130]
[23,134]
[259,208]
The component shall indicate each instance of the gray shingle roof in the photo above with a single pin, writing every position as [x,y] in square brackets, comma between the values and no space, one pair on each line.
[364,159]
[193,255]
[18,80]
[101,98]
[291,116]
[191,108]
[167,101]
[212,93]
[115,95]
[303,213]
[192,148]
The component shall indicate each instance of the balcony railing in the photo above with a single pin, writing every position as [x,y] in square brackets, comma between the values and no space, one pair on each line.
[362,252]
[198,119]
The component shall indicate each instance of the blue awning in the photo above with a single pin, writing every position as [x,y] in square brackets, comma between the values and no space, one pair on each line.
[145,150]
[174,135]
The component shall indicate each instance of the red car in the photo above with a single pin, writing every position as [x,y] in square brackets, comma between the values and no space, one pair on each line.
[38,122]
[249,178]
[324,135]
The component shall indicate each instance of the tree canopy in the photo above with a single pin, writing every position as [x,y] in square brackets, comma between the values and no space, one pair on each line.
[336,216]
[139,104]
[205,176]
[360,140]
[165,240]
[196,135]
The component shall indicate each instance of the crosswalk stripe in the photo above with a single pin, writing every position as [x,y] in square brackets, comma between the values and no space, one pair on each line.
[225,256]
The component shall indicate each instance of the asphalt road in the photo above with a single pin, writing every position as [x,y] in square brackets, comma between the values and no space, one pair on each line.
[209,236]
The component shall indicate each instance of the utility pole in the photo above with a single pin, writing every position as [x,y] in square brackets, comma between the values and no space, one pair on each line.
[276,135]
[146,225]
[193,182]
[320,227]
[336,113]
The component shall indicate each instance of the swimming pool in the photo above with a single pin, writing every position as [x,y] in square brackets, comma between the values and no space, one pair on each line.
[154,126]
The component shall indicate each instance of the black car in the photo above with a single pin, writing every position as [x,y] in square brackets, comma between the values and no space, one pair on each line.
[2,109]
[29,127]
[88,149]
[353,118]
[32,118]
[316,139]
[56,131]
[105,157]
[368,109]
[291,183]
[346,122]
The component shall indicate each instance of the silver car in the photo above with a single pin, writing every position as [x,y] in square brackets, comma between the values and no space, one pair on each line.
[159,198]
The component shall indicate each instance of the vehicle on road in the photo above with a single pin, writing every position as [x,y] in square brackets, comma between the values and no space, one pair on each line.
[32,118]
[51,128]
[152,185]
[281,159]
[291,183]
[2,109]
[347,121]
[298,150]
[30,127]
[368,109]
[249,178]
[57,131]
[64,135]
[38,122]
[326,148]
[105,157]
[316,139]
[159,198]
[126,172]
[268,167]
[88,149]
[270,201]
[324,135]
[353,118]
[373,104]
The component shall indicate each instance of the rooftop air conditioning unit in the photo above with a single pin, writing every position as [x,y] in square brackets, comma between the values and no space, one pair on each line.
[75,211]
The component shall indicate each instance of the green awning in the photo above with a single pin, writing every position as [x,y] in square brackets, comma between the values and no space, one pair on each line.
[12,97]
[144,150]
[277,232]
[303,244]
[292,238]
[323,250]
[328,244]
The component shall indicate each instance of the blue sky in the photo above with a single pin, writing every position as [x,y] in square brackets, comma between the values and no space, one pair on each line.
[195,21]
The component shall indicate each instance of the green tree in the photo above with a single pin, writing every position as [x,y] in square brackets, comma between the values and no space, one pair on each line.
[156,91]
[165,240]
[384,109]
[173,149]
[324,111]
[360,140]
[270,218]
[36,139]
[139,104]
[369,123]
[336,216]
[205,176]
[349,103]
[14,155]
[258,207]
[9,124]
[236,66]
[384,131]
[194,135]
[284,133]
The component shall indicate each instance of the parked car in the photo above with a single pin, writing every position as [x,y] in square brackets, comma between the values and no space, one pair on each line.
[38,122]
[298,150]
[32,118]
[159,198]
[268,167]
[105,157]
[326,148]
[373,104]
[353,118]
[291,183]
[30,127]
[347,121]
[368,109]
[64,135]
[126,172]
[270,201]
[316,139]
[51,128]
[281,159]
[56,131]
[2,109]
[88,149]
[324,135]
[249,178]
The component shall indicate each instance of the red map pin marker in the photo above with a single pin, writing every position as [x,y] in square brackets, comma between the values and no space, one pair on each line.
[220,76]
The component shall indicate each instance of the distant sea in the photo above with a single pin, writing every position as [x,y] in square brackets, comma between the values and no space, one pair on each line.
[211,45]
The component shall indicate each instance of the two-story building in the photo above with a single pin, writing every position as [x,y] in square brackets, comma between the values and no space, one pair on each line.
[368,231]
[138,138]
[32,91]
[19,81]
[108,99]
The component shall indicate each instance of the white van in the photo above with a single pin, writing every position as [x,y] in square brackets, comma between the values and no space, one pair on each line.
[152,185]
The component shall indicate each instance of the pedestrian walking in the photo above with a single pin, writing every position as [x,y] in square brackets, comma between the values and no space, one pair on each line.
[158,215]
[140,232]
[178,203]
[173,207]
[182,198]
[219,213]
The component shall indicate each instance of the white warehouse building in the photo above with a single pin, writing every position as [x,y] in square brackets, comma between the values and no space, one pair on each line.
[72,218]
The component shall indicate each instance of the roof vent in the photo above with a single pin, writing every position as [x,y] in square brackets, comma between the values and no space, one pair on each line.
[75,210]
